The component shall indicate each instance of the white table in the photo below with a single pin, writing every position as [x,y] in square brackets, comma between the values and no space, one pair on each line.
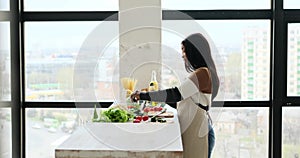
[121,140]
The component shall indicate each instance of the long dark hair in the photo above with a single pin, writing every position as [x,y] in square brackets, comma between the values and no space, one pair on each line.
[198,53]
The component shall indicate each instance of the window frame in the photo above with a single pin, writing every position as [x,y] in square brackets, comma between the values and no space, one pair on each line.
[290,16]
[278,99]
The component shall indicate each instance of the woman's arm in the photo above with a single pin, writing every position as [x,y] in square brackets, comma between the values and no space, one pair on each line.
[197,81]
[171,95]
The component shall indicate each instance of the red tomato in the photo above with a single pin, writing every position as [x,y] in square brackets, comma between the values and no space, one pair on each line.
[136,121]
[146,109]
[130,106]
[158,108]
[139,118]
[145,118]
[151,109]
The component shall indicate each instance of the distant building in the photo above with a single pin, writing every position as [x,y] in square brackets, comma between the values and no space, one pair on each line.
[255,64]
[226,124]
[75,79]
[293,70]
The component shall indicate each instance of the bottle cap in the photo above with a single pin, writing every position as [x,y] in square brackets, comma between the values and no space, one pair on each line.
[153,77]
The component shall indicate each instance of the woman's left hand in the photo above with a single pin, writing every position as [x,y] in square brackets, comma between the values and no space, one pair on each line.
[135,96]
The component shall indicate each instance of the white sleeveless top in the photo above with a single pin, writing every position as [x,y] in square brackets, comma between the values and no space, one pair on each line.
[188,107]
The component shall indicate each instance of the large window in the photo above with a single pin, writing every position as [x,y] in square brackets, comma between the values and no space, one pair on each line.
[241,50]
[62,52]
[290,115]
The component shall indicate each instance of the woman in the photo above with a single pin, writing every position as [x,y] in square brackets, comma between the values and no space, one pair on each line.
[194,97]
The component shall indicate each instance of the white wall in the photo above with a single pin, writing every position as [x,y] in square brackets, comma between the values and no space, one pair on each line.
[140,39]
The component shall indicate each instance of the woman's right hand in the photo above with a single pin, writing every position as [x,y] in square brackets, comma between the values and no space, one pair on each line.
[135,96]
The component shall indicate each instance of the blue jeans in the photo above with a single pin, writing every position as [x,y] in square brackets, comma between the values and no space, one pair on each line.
[211,139]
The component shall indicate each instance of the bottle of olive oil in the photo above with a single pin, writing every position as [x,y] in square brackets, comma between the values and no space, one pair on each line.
[153,85]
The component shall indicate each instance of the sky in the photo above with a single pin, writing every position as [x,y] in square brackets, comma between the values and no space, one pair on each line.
[4,36]
[167,4]
[74,33]
[51,5]
[4,5]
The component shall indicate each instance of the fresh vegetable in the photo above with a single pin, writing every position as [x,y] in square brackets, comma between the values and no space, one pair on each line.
[153,119]
[117,114]
[136,121]
[158,108]
[139,118]
[134,108]
[146,109]
[145,117]
[153,109]
[130,106]
[158,119]
[161,120]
